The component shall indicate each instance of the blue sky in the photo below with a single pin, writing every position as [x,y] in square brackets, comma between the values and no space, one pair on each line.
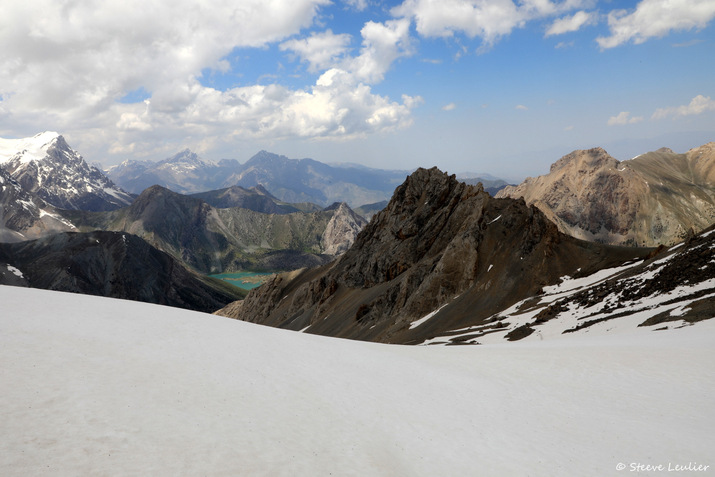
[467,85]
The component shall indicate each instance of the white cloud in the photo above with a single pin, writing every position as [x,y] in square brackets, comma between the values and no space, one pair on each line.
[564,44]
[521,107]
[623,118]
[486,19]
[67,65]
[697,105]
[321,50]
[655,19]
[449,107]
[571,23]
[382,44]
[358,5]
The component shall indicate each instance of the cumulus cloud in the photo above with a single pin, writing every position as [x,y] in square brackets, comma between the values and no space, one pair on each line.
[655,19]
[382,44]
[698,105]
[521,107]
[571,23]
[70,67]
[449,107]
[486,19]
[623,118]
[321,50]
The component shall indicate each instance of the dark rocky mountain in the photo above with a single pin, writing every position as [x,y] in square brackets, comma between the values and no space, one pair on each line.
[440,247]
[110,264]
[47,166]
[290,180]
[213,240]
[652,199]
[23,215]
[674,287]
[255,198]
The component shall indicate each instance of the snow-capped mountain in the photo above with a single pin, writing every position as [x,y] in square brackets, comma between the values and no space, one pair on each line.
[47,166]
[23,215]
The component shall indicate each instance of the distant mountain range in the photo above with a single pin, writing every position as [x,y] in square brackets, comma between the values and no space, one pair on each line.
[48,167]
[655,198]
[445,262]
[289,180]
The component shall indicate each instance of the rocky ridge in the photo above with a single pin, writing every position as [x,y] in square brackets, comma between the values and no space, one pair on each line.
[652,199]
[24,216]
[440,246]
[110,264]
[215,240]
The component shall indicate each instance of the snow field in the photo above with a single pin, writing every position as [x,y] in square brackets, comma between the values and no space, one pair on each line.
[96,386]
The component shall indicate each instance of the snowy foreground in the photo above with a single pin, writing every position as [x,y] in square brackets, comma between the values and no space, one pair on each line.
[95,386]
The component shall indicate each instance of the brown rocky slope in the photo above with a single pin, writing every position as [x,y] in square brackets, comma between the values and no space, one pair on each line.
[655,198]
[439,245]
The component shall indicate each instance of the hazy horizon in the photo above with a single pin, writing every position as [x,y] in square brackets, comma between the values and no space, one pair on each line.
[468,86]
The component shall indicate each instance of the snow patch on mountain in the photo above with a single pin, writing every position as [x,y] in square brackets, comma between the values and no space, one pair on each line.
[26,149]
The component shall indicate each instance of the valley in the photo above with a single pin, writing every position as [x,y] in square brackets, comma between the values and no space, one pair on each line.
[501,304]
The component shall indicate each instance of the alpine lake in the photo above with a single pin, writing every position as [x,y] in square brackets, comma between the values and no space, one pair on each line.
[246,280]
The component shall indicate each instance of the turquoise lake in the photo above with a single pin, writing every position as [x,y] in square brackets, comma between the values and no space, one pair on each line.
[245,280]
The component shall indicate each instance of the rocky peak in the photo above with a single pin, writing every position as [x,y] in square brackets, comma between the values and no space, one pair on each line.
[341,230]
[186,158]
[585,159]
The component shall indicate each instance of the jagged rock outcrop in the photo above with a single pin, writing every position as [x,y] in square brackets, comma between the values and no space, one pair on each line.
[24,216]
[341,230]
[47,166]
[440,246]
[652,199]
[114,265]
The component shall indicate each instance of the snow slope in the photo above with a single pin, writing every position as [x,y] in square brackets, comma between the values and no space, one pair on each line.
[95,386]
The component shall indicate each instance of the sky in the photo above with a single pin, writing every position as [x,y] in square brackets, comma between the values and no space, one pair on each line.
[490,86]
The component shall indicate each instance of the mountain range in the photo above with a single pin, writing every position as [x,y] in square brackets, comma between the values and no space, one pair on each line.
[440,246]
[445,262]
[290,180]
[652,199]
[215,240]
